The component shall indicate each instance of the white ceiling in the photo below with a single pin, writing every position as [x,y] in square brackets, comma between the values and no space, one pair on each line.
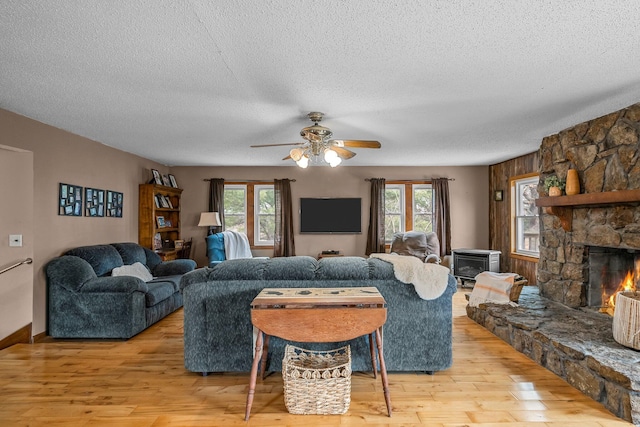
[196,82]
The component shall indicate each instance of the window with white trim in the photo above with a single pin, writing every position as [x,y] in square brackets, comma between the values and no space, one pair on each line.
[525,216]
[265,215]
[250,208]
[393,210]
[408,206]
[235,208]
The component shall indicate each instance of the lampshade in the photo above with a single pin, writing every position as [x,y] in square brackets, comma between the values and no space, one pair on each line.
[209,219]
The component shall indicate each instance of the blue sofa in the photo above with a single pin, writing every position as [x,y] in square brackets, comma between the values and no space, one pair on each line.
[86,301]
[217,319]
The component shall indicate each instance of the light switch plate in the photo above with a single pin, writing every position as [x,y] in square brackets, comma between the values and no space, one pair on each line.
[15,240]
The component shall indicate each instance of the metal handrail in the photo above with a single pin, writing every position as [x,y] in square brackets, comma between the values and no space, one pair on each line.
[18,264]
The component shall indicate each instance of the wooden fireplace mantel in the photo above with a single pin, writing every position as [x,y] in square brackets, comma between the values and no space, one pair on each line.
[562,206]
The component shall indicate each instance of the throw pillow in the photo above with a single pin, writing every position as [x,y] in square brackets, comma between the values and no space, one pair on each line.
[136,270]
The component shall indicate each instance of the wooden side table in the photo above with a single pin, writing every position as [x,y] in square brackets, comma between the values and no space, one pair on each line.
[317,315]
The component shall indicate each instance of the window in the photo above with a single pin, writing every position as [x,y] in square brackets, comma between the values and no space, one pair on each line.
[235,208]
[525,223]
[393,210]
[265,214]
[408,206]
[250,208]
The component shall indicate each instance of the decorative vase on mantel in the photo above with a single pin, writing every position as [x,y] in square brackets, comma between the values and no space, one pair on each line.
[573,184]
[555,191]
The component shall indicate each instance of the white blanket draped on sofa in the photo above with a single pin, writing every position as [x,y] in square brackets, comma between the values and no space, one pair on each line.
[430,280]
[236,245]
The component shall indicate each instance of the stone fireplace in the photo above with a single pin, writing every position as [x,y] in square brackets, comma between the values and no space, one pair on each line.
[605,153]
[585,241]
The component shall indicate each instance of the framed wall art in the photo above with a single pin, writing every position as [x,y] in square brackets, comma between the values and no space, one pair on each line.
[69,200]
[114,204]
[93,202]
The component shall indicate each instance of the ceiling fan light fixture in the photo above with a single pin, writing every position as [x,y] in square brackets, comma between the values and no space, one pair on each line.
[330,155]
[335,162]
[303,162]
[296,154]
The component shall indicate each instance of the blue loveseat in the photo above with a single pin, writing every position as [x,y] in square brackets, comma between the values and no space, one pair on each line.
[86,301]
[217,319]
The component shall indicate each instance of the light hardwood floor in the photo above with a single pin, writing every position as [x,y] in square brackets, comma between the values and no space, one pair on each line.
[142,382]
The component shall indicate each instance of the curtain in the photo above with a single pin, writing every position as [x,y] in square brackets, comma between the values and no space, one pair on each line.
[375,234]
[283,244]
[441,219]
[216,199]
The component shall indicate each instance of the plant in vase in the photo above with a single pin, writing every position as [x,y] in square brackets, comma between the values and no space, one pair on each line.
[553,185]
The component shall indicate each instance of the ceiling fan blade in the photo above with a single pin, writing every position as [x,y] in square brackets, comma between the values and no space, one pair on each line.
[343,152]
[356,143]
[277,145]
[287,158]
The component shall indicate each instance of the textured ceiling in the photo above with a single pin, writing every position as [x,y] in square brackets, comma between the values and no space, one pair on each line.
[196,82]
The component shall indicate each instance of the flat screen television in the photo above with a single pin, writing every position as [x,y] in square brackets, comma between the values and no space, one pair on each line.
[330,215]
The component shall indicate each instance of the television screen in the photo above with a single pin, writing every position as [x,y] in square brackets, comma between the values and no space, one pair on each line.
[330,215]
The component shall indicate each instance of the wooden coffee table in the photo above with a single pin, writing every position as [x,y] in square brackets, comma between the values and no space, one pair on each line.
[317,315]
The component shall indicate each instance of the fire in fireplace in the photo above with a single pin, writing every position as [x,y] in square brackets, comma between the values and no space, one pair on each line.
[611,270]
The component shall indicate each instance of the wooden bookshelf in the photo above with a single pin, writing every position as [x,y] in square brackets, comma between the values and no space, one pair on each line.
[151,207]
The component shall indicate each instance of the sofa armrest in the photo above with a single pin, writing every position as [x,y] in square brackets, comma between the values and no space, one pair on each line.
[69,272]
[174,267]
[117,284]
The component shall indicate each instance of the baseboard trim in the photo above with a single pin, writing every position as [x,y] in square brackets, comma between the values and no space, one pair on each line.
[21,336]
[39,337]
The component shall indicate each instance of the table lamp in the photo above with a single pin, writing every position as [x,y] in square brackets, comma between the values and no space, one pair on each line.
[209,219]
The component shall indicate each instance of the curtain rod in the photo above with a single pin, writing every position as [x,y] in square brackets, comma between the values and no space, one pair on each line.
[248,180]
[413,180]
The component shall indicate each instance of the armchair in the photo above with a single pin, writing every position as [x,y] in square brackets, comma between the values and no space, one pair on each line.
[227,245]
[420,244]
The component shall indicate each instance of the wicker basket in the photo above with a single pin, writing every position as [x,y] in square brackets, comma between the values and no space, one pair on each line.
[518,284]
[317,382]
[626,319]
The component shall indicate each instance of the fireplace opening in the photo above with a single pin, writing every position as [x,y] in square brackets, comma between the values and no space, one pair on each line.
[611,270]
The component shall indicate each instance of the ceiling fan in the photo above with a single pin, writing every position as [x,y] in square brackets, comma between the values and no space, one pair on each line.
[318,142]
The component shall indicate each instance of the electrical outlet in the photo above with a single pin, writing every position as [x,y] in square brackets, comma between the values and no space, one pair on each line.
[15,240]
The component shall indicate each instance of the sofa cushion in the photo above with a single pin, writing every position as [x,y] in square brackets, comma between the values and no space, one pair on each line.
[131,253]
[136,270]
[239,269]
[102,258]
[342,268]
[175,280]
[291,268]
[159,291]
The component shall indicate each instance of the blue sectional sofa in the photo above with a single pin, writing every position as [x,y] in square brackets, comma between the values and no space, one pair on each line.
[217,319]
[86,301]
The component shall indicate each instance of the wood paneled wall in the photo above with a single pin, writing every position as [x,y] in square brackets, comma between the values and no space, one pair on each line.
[499,213]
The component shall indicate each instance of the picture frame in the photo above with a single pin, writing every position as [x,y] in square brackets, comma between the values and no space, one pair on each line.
[69,199]
[157,178]
[165,181]
[114,204]
[173,181]
[94,202]
[160,221]
[498,195]
[157,241]
[178,244]
[168,223]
